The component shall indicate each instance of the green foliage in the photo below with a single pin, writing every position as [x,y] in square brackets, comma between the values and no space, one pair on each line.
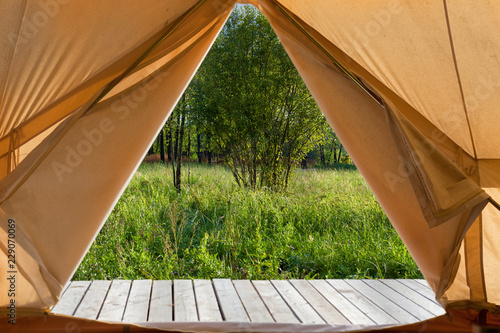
[326,225]
[253,104]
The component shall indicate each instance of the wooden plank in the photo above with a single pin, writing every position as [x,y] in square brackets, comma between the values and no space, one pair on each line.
[62,294]
[92,302]
[338,302]
[325,309]
[352,313]
[206,301]
[411,294]
[184,301]
[136,310]
[303,310]
[114,304]
[394,310]
[402,301]
[278,308]
[65,288]
[72,298]
[229,302]
[161,304]
[423,282]
[255,307]
[419,288]
[369,308]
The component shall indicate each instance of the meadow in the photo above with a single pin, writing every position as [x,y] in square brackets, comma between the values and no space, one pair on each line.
[327,224]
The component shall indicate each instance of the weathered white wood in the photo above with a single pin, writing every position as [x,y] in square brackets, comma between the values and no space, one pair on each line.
[402,301]
[92,301]
[423,282]
[229,302]
[325,309]
[338,302]
[114,304]
[184,301]
[411,294]
[72,298]
[352,313]
[394,310]
[136,310]
[162,303]
[369,308]
[255,307]
[419,288]
[62,294]
[297,303]
[206,301]
[65,288]
[280,311]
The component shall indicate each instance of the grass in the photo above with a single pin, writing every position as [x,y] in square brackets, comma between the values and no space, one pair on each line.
[327,225]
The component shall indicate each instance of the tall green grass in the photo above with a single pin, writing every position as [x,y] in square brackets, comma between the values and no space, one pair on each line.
[327,225]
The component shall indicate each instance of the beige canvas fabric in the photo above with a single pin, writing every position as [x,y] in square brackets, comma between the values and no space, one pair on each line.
[411,89]
[355,34]
[110,132]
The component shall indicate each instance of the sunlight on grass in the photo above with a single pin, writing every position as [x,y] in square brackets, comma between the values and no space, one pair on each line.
[327,225]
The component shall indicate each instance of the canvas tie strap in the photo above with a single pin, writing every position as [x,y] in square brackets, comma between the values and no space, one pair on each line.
[13,154]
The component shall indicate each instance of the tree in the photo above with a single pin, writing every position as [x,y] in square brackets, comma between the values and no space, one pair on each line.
[334,147]
[253,104]
[178,122]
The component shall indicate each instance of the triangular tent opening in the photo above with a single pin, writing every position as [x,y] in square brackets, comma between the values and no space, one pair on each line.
[140,239]
[74,82]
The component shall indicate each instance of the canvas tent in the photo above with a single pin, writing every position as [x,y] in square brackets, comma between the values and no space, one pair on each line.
[411,88]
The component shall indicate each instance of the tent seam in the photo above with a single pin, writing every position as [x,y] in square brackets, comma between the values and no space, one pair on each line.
[459,80]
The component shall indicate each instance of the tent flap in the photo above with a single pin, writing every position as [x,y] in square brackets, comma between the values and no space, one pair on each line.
[73,178]
[443,190]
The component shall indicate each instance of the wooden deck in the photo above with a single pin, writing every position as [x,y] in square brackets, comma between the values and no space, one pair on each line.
[346,303]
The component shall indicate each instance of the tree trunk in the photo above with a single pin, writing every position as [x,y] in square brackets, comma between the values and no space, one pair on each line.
[288,167]
[208,152]
[189,144]
[179,144]
[169,146]
[322,154]
[330,156]
[189,156]
[176,144]
[162,145]
[198,137]
[340,154]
